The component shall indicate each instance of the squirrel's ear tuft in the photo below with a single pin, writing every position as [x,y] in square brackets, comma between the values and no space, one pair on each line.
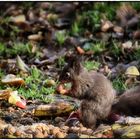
[73,57]
[74,62]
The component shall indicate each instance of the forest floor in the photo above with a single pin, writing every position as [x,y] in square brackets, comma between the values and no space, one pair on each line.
[35,37]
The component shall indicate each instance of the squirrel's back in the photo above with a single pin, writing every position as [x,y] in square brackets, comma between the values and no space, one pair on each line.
[129,102]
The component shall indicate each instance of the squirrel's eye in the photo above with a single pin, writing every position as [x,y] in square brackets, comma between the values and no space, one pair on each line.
[68,74]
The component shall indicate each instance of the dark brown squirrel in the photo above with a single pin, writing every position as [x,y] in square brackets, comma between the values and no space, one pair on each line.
[93,88]
[128,103]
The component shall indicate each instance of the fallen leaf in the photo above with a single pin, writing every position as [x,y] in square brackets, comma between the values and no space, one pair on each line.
[12,80]
[21,65]
[53,109]
[118,29]
[124,131]
[16,100]
[18,19]
[106,25]
[35,37]
[127,45]
[129,120]
[80,50]
[4,94]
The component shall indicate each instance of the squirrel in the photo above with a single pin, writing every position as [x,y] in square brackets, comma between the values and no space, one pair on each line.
[93,89]
[128,103]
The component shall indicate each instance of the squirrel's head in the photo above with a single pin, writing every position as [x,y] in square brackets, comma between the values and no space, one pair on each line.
[72,69]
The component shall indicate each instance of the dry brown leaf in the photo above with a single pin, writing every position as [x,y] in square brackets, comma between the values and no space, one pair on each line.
[80,50]
[127,45]
[53,109]
[106,25]
[12,80]
[5,94]
[21,65]
[19,19]
[35,37]
[118,29]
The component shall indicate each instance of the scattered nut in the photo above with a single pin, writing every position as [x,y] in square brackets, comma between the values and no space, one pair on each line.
[11,109]
[10,129]
[55,130]
[45,129]
[99,135]
[38,134]
[75,129]
[83,129]
[18,133]
[50,126]
[45,134]
[89,131]
[61,89]
[60,135]
[65,128]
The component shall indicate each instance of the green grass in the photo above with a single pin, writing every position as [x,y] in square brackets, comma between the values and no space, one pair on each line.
[61,36]
[97,47]
[7,29]
[136,54]
[107,9]
[21,48]
[136,5]
[115,48]
[91,18]
[34,88]
[2,48]
[61,62]
[75,29]
[119,84]
[91,65]
[17,48]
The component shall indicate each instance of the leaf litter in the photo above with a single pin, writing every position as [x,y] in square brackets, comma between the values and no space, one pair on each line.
[35,38]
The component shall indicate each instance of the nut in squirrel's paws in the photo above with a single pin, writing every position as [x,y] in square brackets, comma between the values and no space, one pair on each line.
[64,88]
